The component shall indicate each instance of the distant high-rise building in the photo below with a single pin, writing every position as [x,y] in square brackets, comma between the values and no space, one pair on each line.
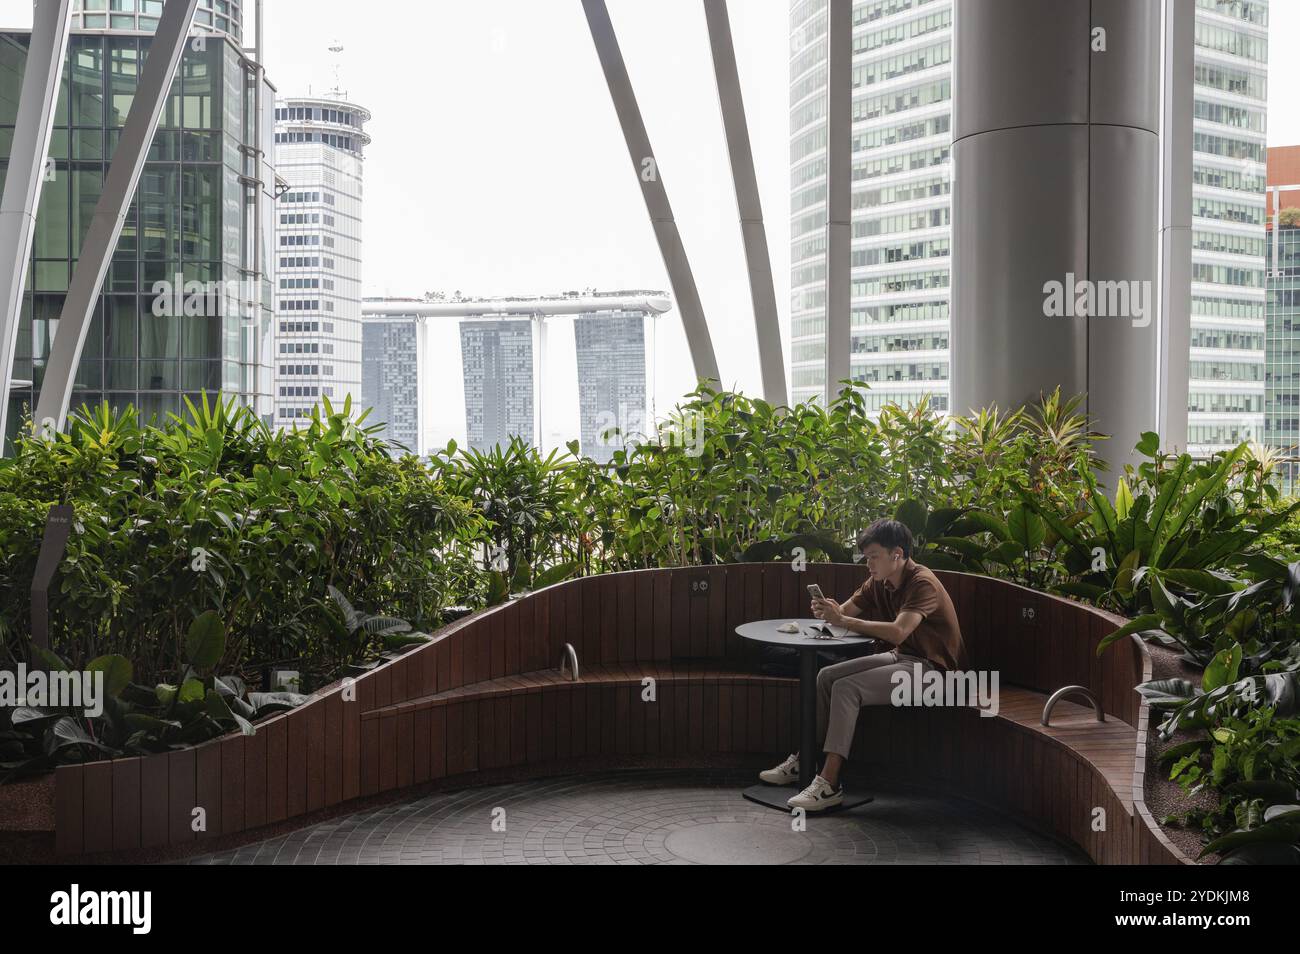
[320,146]
[1282,335]
[901,207]
[610,347]
[153,339]
[394,378]
[503,344]
[497,355]
[1226,374]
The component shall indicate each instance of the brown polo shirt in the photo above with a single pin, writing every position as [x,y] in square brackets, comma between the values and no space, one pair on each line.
[938,636]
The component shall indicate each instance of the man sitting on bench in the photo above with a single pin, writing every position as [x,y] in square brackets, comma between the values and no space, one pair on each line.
[901,604]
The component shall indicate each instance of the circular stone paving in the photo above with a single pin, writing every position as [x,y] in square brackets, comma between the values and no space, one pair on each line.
[656,817]
[737,843]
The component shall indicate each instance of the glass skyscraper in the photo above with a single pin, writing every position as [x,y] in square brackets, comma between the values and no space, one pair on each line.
[902,183]
[319,149]
[185,306]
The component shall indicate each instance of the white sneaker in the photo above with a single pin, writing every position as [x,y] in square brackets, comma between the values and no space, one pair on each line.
[787,773]
[817,796]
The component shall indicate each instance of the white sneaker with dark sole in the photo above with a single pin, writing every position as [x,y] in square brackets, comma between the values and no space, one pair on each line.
[817,796]
[787,773]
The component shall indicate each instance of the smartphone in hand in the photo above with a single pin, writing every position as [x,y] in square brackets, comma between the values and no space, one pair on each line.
[815,591]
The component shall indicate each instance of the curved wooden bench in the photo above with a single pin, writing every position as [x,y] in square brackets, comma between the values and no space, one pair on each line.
[486,695]
[1057,776]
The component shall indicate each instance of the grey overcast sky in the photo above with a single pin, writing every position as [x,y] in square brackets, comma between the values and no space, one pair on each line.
[498,167]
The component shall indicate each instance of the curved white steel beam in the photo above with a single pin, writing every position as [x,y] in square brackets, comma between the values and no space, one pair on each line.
[653,191]
[46,55]
[757,261]
[839,212]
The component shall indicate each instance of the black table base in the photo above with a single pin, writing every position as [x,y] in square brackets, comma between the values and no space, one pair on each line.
[810,753]
[775,796]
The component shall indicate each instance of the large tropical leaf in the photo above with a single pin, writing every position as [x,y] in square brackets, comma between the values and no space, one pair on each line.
[1140,624]
[69,733]
[117,672]
[978,521]
[1026,528]
[554,574]
[1173,483]
[205,642]
[1192,503]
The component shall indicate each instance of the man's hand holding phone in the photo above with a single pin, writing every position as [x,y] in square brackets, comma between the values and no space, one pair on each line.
[829,610]
[818,598]
[822,607]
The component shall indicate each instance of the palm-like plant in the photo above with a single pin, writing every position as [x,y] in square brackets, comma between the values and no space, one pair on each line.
[528,502]
[1060,429]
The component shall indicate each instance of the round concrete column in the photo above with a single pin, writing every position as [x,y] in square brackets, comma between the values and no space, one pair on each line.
[1056,157]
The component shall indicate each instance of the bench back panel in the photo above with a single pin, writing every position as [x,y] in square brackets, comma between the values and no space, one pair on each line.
[1045,642]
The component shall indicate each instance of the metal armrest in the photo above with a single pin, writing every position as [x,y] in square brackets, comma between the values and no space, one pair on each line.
[1072,690]
[569,662]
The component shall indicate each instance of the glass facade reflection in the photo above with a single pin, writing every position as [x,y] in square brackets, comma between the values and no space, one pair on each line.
[498,360]
[220,16]
[182,308]
[394,378]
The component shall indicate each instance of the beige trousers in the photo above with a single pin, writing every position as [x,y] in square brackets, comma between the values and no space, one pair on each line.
[844,688]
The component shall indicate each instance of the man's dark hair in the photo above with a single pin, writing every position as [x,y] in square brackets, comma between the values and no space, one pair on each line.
[889,534]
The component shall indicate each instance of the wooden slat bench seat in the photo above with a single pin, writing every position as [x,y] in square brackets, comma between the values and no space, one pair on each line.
[485,693]
[627,674]
[1108,746]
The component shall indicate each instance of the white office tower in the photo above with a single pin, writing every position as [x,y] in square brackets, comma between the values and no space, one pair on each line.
[1226,374]
[902,191]
[319,147]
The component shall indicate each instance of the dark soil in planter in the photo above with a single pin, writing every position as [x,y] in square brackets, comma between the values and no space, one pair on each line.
[27,820]
[1165,797]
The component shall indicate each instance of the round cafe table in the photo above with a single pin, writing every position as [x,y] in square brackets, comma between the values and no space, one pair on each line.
[765,631]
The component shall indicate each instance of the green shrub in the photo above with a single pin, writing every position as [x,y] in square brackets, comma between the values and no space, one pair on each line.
[218,512]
